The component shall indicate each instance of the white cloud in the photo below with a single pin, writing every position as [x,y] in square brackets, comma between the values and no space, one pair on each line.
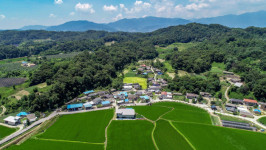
[52,15]
[58,2]
[110,8]
[86,7]
[118,17]
[2,17]
[139,6]
[72,13]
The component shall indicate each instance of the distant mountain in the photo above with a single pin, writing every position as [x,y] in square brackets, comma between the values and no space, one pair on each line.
[80,26]
[149,24]
[257,19]
[34,27]
[146,24]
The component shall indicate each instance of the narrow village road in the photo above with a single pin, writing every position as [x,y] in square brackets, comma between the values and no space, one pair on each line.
[4,110]
[155,74]
[10,137]
[226,93]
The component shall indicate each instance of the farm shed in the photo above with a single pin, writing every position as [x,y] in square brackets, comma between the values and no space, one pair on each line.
[244,112]
[73,107]
[22,114]
[256,111]
[88,92]
[11,120]
[237,101]
[126,113]
[97,101]
[238,84]
[250,102]
[31,117]
[205,94]
[106,103]
[191,96]
[87,105]
[238,125]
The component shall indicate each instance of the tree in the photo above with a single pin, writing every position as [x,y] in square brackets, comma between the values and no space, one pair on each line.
[220,95]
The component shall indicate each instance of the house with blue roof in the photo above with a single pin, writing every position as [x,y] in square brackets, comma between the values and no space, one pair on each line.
[106,103]
[256,111]
[74,107]
[123,93]
[126,101]
[22,114]
[88,92]
[87,105]
[145,98]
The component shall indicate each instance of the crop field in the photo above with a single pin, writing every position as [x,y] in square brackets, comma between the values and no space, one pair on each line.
[130,135]
[151,112]
[167,137]
[62,56]
[34,144]
[84,127]
[262,120]
[6,82]
[207,137]
[16,66]
[217,68]
[5,131]
[141,81]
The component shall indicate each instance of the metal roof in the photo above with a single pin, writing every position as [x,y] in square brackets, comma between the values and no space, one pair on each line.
[88,92]
[126,112]
[22,114]
[72,106]
[105,102]
[88,104]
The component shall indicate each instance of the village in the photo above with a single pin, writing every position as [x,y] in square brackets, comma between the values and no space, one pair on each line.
[133,94]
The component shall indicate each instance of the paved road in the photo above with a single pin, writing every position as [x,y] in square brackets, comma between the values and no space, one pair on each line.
[10,137]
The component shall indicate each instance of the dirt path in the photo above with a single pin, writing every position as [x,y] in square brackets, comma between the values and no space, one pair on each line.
[4,110]
[106,130]
[226,94]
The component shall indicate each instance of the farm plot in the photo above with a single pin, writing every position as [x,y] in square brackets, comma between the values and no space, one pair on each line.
[262,120]
[34,144]
[168,138]
[5,131]
[151,112]
[207,137]
[85,127]
[130,135]
[6,82]
[141,81]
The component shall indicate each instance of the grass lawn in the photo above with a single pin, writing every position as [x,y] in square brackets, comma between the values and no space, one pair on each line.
[5,131]
[141,81]
[130,135]
[34,144]
[169,67]
[85,127]
[168,138]
[217,68]
[262,120]
[151,112]
[229,118]
[208,137]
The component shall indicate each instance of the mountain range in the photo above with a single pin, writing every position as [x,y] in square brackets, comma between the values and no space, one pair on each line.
[149,24]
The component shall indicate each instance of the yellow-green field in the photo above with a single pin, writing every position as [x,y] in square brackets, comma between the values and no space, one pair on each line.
[141,81]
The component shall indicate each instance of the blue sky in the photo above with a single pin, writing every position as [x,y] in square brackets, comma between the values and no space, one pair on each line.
[18,13]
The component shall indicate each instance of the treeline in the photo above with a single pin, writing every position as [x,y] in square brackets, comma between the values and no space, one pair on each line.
[88,70]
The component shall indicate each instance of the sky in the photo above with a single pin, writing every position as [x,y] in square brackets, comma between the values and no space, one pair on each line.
[18,13]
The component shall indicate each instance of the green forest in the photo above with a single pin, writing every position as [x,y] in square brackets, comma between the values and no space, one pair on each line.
[97,65]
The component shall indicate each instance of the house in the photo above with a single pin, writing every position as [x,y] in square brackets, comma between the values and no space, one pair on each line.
[213,107]
[108,96]
[11,120]
[166,95]
[235,80]
[120,97]
[22,114]
[205,94]
[231,107]
[132,97]
[97,101]
[149,94]
[101,93]
[88,92]
[154,88]
[148,67]
[120,102]
[87,105]
[250,102]
[127,87]
[140,69]
[126,101]
[136,86]
[150,79]
[123,93]
[145,98]
[244,112]
[237,101]
[31,117]
[238,84]
[257,111]
[106,103]
[74,107]
[191,96]
[126,113]
[143,66]
[262,106]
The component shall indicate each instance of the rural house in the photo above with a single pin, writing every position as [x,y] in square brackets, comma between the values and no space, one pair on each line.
[106,103]
[237,101]
[97,101]
[88,92]
[31,117]
[191,96]
[262,106]
[11,120]
[205,94]
[74,107]
[87,105]
[22,114]
[250,102]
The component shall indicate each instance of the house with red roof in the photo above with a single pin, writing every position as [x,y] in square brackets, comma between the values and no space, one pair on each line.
[250,102]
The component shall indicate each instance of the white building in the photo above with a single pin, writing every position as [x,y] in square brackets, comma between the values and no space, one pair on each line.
[126,113]
[11,120]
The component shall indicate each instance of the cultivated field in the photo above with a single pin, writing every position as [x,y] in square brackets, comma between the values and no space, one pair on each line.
[151,112]
[5,131]
[130,135]
[262,120]
[6,82]
[84,127]
[141,81]
[33,144]
[207,137]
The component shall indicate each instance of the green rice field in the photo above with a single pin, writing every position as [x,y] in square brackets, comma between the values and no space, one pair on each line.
[130,135]
[141,81]
[5,131]
[85,127]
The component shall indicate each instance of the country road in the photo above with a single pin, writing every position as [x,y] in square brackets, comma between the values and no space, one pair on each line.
[4,110]
[226,93]
[10,137]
